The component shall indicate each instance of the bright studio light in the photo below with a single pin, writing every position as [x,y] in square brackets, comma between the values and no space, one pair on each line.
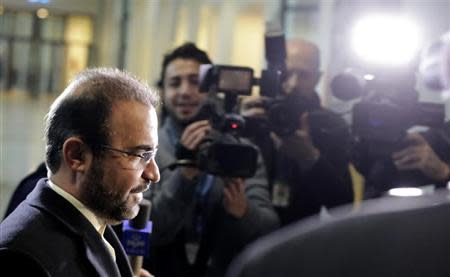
[405,192]
[385,40]
[42,13]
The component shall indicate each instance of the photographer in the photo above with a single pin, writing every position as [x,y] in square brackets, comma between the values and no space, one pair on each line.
[387,151]
[429,152]
[419,155]
[201,221]
[309,168]
[423,159]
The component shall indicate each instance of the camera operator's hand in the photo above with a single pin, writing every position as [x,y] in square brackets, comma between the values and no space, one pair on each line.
[419,155]
[252,106]
[235,200]
[190,139]
[145,273]
[299,146]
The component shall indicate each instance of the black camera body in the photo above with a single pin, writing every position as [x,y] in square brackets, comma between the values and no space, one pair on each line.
[387,109]
[282,116]
[283,111]
[223,152]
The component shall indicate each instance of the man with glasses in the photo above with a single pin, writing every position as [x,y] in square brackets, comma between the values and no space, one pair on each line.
[101,140]
[309,168]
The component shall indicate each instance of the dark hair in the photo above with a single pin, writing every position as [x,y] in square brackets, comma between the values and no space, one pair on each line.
[186,51]
[84,107]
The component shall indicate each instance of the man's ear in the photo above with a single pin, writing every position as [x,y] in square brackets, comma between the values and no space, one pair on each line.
[76,154]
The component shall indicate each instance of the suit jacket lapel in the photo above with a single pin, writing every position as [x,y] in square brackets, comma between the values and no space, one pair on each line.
[99,256]
[97,253]
[121,257]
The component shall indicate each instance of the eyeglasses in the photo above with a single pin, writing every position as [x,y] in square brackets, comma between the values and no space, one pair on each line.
[144,157]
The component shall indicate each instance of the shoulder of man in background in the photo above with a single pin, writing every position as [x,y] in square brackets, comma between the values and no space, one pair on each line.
[25,187]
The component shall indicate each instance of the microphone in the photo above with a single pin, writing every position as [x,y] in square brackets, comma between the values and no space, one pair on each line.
[136,233]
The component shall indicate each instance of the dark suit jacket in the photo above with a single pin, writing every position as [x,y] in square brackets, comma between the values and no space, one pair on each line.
[390,236]
[48,236]
[25,187]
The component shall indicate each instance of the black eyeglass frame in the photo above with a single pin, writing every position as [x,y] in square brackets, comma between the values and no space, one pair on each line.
[146,156]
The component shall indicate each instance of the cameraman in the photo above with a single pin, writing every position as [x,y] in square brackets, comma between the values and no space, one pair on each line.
[201,221]
[391,154]
[306,171]
[424,159]
[419,155]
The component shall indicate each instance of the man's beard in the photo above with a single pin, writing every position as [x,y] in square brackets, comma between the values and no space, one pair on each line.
[104,202]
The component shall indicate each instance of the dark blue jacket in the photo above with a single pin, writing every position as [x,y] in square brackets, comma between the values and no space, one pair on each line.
[48,236]
[25,187]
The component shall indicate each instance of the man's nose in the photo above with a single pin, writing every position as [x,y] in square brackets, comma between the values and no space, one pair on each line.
[151,172]
[186,88]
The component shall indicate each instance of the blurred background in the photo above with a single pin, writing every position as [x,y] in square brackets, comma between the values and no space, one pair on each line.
[44,43]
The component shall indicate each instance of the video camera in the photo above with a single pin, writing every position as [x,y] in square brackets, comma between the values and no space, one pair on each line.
[223,152]
[283,111]
[388,107]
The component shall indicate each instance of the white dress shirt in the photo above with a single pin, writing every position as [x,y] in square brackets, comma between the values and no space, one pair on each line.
[98,223]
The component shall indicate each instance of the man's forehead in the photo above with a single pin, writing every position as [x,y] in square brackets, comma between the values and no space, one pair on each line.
[134,119]
[125,110]
[302,54]
[183,67]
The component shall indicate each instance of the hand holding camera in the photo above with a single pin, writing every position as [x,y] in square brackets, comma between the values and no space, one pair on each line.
[419,155]
[235,201]
[190,139]
[194,134]
[253,106]
[298,146]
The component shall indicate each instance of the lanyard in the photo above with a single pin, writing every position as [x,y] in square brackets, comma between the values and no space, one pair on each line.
[201,195]
[173,134]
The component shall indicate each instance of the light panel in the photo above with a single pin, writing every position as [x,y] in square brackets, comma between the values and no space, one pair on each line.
[385,39]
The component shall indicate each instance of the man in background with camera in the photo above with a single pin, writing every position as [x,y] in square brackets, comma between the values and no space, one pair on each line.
[420,155]
[309,167]
[201,221]
[388,151]
[429,153]
[421,160]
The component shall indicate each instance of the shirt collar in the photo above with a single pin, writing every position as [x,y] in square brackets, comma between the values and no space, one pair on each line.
[98,223]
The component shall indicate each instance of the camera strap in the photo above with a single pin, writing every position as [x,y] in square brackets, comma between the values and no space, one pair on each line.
[201,195]
[172,131]
[199,222]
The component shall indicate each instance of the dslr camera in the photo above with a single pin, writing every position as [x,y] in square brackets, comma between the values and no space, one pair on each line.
[388,107]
